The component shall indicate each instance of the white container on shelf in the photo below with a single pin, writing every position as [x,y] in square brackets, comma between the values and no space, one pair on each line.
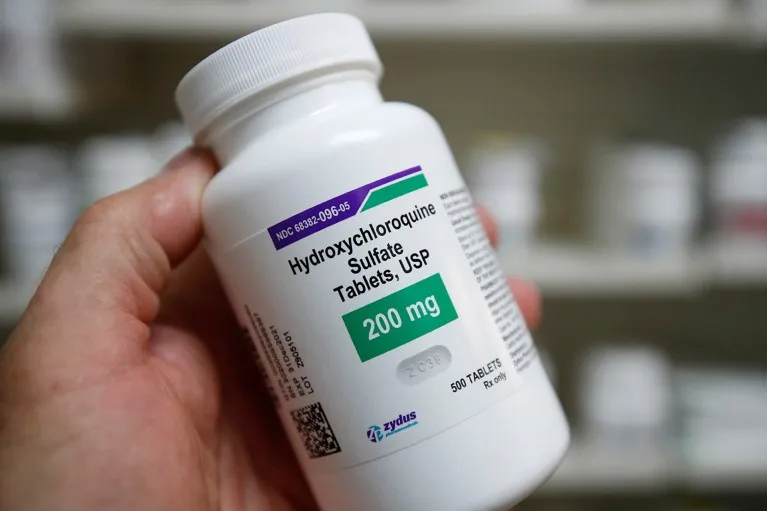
[626,395]
[111,164]
[723,423]
[31,65]
[37,208]
[168,140]
[505,176]
[739,184]
[756,13]
[645,200]
[720,396]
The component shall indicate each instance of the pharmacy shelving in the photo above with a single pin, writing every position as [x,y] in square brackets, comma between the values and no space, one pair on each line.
[591,468]
[564,270]
[19,103]
[727,474]
[496,20]
[757,21]
[738,264]
[672,21]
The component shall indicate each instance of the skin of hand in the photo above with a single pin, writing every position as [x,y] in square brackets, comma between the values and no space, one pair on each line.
[127,384]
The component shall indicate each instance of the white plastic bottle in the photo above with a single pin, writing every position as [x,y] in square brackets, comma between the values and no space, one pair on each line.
[646,200]
[400,365]
[739,186]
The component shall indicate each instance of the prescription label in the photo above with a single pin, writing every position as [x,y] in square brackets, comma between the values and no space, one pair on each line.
[387,320]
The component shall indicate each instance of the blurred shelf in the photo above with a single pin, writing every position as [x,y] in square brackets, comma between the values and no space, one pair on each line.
[570,271]
[749,475]
[573,271]
[738,263]
[725,459]
[494,20]
[17,103]
[13,300]
[591,469]
[756,19]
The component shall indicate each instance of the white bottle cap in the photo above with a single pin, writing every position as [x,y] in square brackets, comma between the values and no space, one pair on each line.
[301,48]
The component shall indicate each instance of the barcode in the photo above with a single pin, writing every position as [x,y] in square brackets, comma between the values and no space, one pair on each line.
[315,431]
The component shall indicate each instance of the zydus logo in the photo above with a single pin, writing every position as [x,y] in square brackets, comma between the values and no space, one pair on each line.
[377,433]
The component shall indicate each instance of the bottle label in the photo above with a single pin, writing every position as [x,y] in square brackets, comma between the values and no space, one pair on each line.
[381,317]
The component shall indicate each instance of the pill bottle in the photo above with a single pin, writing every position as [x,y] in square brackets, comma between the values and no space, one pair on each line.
[505,176]
[739,185]
[625,396]
[397,359]
[645,201]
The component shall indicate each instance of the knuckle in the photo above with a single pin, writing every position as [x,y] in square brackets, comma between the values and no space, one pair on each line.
[105,222]
[118,226]
[104,211]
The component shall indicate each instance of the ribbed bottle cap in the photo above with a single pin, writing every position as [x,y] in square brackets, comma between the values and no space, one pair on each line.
[302,47]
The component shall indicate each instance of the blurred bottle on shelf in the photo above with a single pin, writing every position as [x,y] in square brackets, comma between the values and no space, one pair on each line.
[756,13]
[723,421]
[168,140]
[625,397]
[739,184]
[32,70]
[504,175]
[110,164]
[645,200]
[37,208]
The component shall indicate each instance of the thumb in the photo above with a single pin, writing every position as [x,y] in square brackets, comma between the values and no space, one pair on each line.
[93,308]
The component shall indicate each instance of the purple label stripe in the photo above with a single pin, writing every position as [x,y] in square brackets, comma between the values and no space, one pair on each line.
[330,212]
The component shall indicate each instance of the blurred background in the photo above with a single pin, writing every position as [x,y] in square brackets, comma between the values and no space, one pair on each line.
[621,144]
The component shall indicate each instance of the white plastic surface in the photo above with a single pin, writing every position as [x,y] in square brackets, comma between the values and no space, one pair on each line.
[260,62]
[322,165]
[316,145]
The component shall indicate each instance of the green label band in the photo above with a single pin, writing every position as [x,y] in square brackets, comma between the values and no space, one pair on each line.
[400,318]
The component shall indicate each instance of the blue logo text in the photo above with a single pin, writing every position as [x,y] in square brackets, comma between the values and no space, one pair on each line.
[377,433]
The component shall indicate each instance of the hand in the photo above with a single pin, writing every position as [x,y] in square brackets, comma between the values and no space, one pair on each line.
[127,384]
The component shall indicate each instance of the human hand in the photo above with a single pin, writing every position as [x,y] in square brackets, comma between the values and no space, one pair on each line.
[127,384]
